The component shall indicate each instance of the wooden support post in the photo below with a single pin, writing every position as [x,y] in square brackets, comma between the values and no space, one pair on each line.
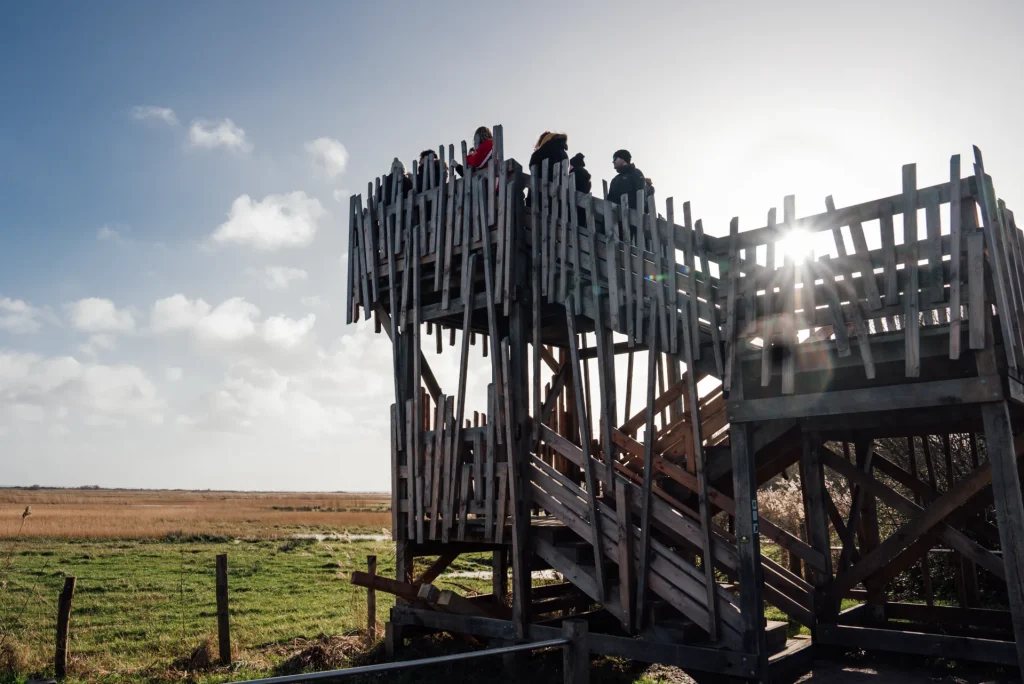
[393,641]
[223,620]
[371,603]
[499,576]
[748,542]
[575,654]
[642,578]
[627,583]
[817,517]
[60,664]
[1009,509]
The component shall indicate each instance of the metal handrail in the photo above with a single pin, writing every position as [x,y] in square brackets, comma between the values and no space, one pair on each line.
[386,667]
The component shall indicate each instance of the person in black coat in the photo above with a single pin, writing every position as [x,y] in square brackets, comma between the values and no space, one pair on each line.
[423,173]
[550,146]
[628,180]
[578,168]
[399,168]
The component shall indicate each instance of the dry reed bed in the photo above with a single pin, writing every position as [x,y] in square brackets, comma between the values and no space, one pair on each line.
[112,514]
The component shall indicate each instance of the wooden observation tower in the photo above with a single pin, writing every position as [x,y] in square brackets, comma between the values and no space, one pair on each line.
[638,483]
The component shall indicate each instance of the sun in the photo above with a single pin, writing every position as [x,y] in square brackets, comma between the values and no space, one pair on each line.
[798,245]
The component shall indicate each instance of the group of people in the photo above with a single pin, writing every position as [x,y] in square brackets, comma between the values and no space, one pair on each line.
[553,147]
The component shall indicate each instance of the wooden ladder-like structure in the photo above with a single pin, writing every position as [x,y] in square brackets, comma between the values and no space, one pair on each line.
[651,515]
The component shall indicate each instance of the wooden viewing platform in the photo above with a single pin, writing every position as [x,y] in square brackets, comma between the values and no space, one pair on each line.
[643,496]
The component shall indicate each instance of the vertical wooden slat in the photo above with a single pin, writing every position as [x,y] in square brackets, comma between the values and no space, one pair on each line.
[697,456]
[641,281]
[585,433]
[417,373]
[999,279]
[563,231]
[464,501]
[705,267]
[435,482]
[671,271]
[574,230]
[467,317]
[731,330]
[688,259]
[453,207]
[627,580]
[544,233]
[502,503]
[623,228]
[768,329]
[955,256]
[889,275]
[499,262]
[535,295]
[492,314]
[606,387]
[789,302]
[642,581]
[977,312]
[933,247]
[659,306]
[911,303]
[396,510]
[410,460]
[612,247]
[490,458]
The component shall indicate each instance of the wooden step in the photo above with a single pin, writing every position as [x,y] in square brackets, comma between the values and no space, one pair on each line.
[776,634]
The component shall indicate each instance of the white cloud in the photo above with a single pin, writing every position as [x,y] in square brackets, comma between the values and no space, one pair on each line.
[280,277]
[328,155]
[95,315]
[276,221]
[113,233]
[314,302]
[231,321]
[19,317]
[99,342]
[212,134]
[173,374]
[151,113]
[287,333]
[63,385]
[341,195]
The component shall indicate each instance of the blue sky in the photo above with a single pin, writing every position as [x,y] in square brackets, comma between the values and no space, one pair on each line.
[137,349]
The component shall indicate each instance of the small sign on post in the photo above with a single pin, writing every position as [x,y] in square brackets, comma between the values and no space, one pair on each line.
[223,623]
[371,602]
[60,665]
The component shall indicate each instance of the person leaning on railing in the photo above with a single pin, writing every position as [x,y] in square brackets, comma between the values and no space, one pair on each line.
[480,154]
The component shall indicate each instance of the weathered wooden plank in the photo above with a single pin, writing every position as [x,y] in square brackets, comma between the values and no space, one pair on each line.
[934,645]
[492,314]
[545,228]
[731,329]
[417,373]
[502,516]
[977,313]
[825,271]
[1009,510]
[955,256]
[606,387]
[631,302]
[658,302]
[563,231]
[439,450]
[574,231]
[627,579]
[464,500]
[490,459]
[612,247]
[698,458]
[705,266]
[643,579]
[933,251]
[911,326]
[989,214]
[583,420]
[689,253]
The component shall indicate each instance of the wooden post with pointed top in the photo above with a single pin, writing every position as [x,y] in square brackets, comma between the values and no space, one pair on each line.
[60,665]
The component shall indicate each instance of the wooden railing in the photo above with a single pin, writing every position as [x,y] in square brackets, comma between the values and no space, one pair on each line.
[946,278]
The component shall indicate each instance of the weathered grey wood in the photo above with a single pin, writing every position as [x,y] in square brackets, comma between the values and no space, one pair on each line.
[1009,510]
[417,373]
[612,249]
[768,329]
[935,645]
[371,604]
[817,522]
[642,576]
[698,459]
[731,320]
[439,452]
[748,543]
[535,294]
[492,314]
[575,654]
[937,393]
[606,388]
[716,335]
[583,419]
[689,254]
[467,470]
[623,237]
[977,313]
[545,228]
[659,304]
[64,602]
[956,258]
[911,329]
[933,251]
[627,578]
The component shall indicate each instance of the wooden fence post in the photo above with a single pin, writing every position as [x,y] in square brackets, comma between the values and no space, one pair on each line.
[60,665]
[575,654]
[371,602]
[223,623]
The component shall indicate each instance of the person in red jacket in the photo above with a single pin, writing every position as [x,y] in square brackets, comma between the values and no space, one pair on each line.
[480,155]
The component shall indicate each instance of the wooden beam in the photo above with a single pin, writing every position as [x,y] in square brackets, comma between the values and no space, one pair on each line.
[437,567]
[1009,510]
[938,393]
[642,578]
[429,380]
[934,645]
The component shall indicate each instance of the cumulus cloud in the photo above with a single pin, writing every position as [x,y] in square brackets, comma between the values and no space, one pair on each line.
[97,315]
[19,317]
[213,134]
[63,385]
[151,113]
[274,222]
[231,321]
[328,155]
[314,302]
[173,374]
[342,195]
[280,277]
[287,333]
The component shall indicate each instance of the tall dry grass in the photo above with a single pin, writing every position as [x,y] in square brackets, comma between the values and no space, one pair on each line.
[135,514]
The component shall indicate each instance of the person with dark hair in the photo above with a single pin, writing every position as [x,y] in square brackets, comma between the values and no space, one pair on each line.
[550,146]
[423,173]
[578,168]
[628,180]
[480,154]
